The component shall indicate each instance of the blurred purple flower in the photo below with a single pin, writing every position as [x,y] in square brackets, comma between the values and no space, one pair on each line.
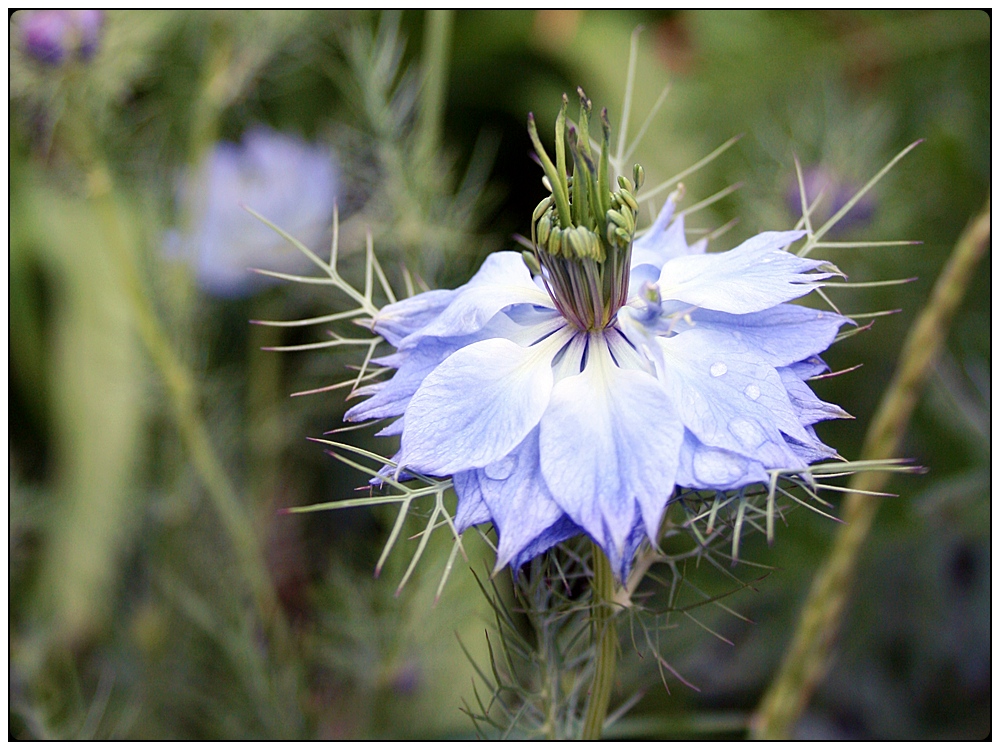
[290,182]
[836,192]
[50,36]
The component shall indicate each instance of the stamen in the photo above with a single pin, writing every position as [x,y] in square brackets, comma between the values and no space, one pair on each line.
[583,232]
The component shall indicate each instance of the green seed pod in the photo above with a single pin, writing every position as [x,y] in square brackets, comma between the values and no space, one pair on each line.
[624,183]
[638,176]
[623,237]
[531,262]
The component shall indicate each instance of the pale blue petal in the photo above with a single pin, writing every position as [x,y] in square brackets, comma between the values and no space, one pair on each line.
[664,240]
[814,450]
[478,405]
[782,335]
[706,468]
[646,248]
[622,562]
[502,281]
[390,398]
[609,441]
[754,276]
[558,532]
[471,510]
[809,367]
[397,321]
[728,398]
[391,430]
[519,501]
[660,243]
[809,408]
[640,276]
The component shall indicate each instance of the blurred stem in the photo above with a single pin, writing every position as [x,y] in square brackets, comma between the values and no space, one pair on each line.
[602,620]
[436,52]
[808,657]
[263,384]
[213,96]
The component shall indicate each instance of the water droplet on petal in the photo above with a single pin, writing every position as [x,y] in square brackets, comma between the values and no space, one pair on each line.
[502,468]
[718,369]
[749,434]
[752,392]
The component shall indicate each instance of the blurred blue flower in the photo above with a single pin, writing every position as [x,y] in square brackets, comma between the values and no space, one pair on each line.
[288,181]
[52,36]
[832,193]
[549,430]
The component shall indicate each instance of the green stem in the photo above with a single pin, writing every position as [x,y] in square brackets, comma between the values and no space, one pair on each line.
[182,393]
[807,659]
[605,633]
[437,50]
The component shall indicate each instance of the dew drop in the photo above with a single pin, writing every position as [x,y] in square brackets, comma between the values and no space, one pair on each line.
[752,392]
[502,468]
[718,369]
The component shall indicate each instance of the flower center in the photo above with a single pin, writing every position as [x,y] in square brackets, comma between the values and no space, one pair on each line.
[582,233]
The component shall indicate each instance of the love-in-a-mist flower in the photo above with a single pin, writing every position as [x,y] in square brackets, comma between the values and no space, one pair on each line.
[55,36]
[280,176]
[571,390]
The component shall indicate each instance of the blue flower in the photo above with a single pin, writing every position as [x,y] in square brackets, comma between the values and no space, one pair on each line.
[830,193]
[283,178]
[50,36]
[576,400]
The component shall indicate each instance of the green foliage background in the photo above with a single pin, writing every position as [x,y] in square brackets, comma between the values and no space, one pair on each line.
[130,611]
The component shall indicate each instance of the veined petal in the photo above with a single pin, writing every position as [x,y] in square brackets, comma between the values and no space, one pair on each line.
[622,561]
[729,398]
[754,276]
[704,467]
[560,531]
[660,243]
[813,451]
[390,398]
[810,408]
[502,281]
[471,509]
[518,500]
[397,321]
[781,335]
[478,405]
[609,441]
